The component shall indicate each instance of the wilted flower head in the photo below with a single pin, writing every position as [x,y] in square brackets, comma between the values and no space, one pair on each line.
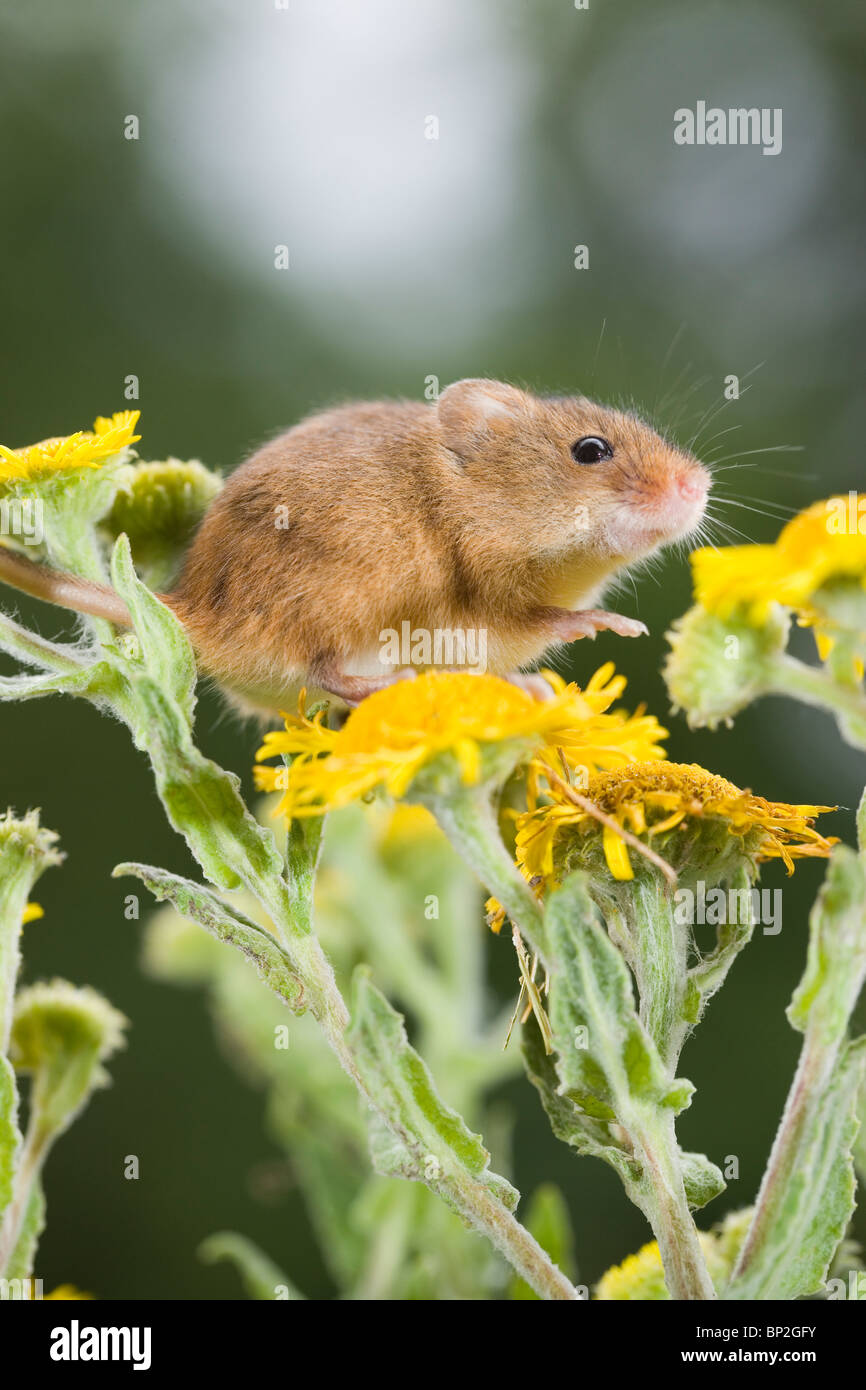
[657,801]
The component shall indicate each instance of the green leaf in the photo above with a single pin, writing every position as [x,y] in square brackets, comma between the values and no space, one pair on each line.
[807,1195]
[702,1179]
[549,1221]
[165,648]
[606,1060]
[97,682]
[836,963]
[817,1201]
[26,850]
[10,1135]
[262,1279]
[20,1264]
[227,924]
[203,801]
[435,1145]
[34,650]
[570,1124]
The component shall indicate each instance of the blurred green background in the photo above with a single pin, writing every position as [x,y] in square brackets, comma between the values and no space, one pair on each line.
[410,257]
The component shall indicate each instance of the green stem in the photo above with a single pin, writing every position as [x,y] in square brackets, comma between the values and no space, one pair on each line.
[36,651]
[289,907]
[661,1195]
[814,685]
[466,816]
[477,1205]
[817,1060]
[74,548]
[641,924]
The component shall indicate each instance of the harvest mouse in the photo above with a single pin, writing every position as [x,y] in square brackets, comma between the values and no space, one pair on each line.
[490,509]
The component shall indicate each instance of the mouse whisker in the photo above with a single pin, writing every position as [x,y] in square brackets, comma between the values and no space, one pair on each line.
[770,449]
[728,529]
[764,510]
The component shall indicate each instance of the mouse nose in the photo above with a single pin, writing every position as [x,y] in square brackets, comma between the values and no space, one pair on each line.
[693,486]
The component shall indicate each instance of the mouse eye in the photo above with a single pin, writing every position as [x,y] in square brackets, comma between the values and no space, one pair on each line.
[591,449]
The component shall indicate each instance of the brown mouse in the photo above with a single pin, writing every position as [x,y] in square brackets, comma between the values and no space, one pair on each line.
[490,511]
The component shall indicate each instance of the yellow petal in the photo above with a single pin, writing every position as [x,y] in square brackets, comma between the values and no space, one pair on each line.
[616,854]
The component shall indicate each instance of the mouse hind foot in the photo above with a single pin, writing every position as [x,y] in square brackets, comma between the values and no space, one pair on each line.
[326,673]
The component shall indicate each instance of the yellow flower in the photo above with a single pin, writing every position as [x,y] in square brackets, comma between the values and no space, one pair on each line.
[640,1278]
[84,449]
[601,740]
[32,913]
[409,827]
[655,797]
[66,1293]
[395,733]
[819,545]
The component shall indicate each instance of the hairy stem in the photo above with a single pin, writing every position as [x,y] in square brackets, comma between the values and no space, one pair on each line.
[815,685]
[813,1071]
[662,1197]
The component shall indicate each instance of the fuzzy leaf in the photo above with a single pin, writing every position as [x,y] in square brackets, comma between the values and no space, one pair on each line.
[836,962]
[97,682]
[201,905]
[702,1179]
[807,1197]
[262,1279]
[606,1060]
[570,1124]
[817,1203]
[10,1137]
[203,801]
[34,650]
[435,1145]
[20,1265]
[165,648]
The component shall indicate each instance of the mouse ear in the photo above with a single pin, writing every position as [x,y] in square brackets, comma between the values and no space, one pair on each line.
[474,410]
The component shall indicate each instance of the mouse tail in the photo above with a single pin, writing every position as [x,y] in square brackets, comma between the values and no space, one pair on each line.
[65,590]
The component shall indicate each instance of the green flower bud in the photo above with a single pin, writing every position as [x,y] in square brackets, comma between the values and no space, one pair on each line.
[26,839]
[717,666]
[159,505]
[60,1035]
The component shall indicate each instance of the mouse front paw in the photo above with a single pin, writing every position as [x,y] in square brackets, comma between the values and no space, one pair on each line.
[570,626]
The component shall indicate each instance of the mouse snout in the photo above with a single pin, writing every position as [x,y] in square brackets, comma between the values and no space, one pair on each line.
[694,485]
